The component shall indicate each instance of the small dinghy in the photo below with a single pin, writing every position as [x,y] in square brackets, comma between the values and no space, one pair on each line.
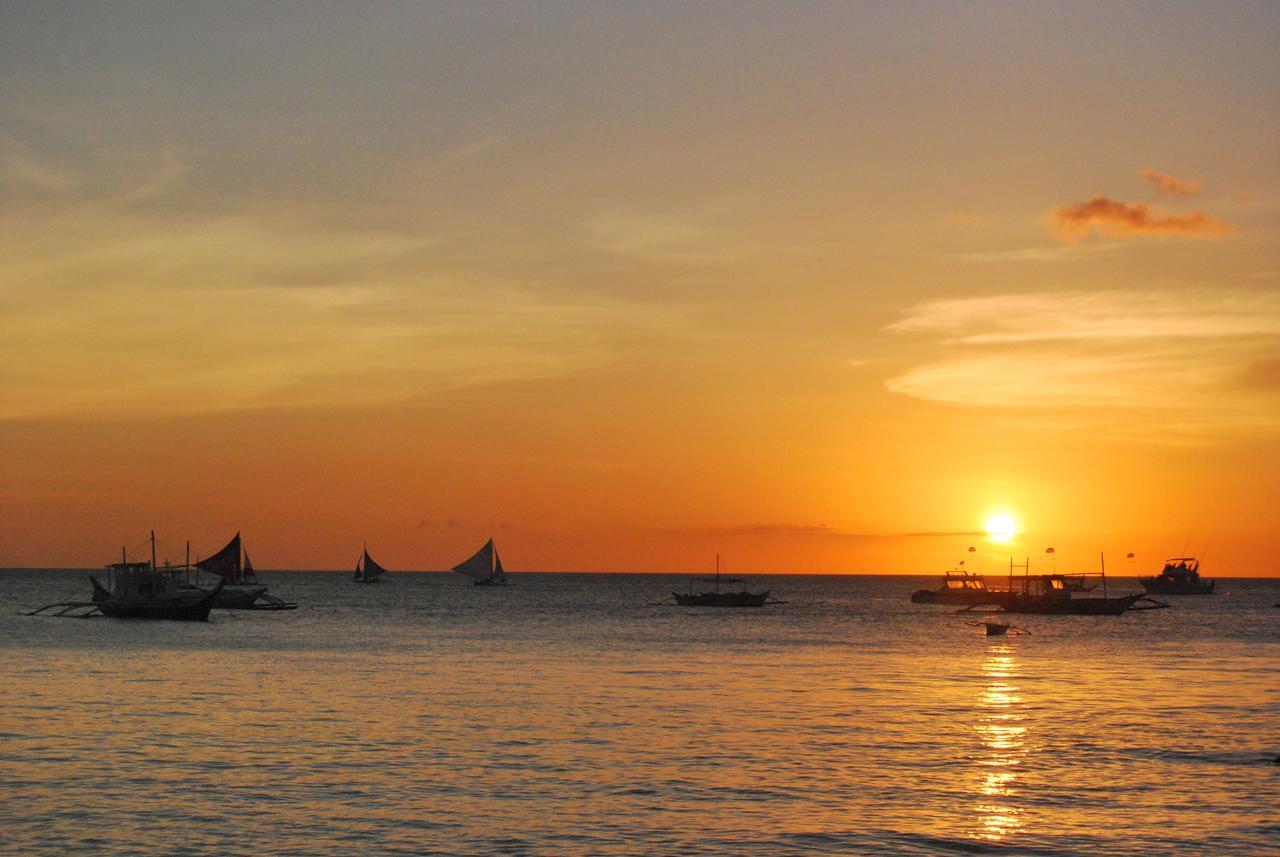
[999,629]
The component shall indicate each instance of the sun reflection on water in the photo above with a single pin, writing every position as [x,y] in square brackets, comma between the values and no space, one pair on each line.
[1002,732]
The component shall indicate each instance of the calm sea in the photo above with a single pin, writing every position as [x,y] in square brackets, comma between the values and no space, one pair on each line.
[566,715]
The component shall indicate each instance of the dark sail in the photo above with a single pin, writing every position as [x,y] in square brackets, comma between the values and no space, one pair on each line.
[371,568]
[484,566]
[367,570]
[225,563]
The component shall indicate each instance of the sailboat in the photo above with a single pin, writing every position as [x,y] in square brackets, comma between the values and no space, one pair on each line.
[368,571]
[240,587]
[484,567]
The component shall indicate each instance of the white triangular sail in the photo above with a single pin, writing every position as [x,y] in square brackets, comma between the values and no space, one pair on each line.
[484,565]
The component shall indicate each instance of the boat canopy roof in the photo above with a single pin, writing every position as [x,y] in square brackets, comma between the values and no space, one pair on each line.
[130,566]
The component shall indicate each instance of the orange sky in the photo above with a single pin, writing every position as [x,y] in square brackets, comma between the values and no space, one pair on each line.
[625,287]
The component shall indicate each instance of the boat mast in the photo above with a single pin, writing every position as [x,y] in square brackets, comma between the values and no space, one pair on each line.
[153,550]
[1102,558]
[717,572]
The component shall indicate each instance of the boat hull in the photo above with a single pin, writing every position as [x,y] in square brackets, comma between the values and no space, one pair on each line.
[721,599]
[933,596]
[183,607]
[238,597]
[1068,606]
[1156,586]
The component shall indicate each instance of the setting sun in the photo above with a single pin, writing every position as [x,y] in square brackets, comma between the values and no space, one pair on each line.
[1001,527]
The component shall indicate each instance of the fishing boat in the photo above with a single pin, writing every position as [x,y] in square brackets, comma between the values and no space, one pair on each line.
[484,567]
[240,588]
[1180,576]
[958,587]
[138,590]
[719,597]
[368,571]
[1049,594]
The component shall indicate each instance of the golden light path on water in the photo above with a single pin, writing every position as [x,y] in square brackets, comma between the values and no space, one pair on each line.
[1002,730]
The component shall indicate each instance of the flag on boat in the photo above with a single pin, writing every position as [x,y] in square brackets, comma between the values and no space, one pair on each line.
[1048,550]
[1128,556]
[972,549]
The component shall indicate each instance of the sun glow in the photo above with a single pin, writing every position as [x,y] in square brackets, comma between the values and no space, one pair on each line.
[1001,527]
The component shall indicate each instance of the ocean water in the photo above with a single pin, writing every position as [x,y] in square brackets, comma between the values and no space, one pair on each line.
[568,715]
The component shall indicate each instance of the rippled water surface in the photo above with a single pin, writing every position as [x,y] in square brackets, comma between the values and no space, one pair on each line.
[565,715]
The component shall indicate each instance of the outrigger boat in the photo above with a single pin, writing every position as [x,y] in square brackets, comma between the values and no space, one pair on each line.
[1180,576]
[484,567]
[145,590]
[958,587]
[138,590]
[368,571]
[718,597]
[1049,594]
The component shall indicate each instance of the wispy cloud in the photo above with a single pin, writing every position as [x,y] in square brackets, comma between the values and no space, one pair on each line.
[1058,254]
[1111,315]
[965,218]
[240,313]
[1263,375]
[673,237]
[1195,354]
[21,168]
[827,531]
[1171,185]
[1074,221]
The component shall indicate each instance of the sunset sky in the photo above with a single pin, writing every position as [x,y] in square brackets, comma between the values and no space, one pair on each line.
[819,287]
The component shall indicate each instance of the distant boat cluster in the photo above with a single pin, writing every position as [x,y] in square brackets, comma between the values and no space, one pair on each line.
[484,567]
[1057,594]
[145,590]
